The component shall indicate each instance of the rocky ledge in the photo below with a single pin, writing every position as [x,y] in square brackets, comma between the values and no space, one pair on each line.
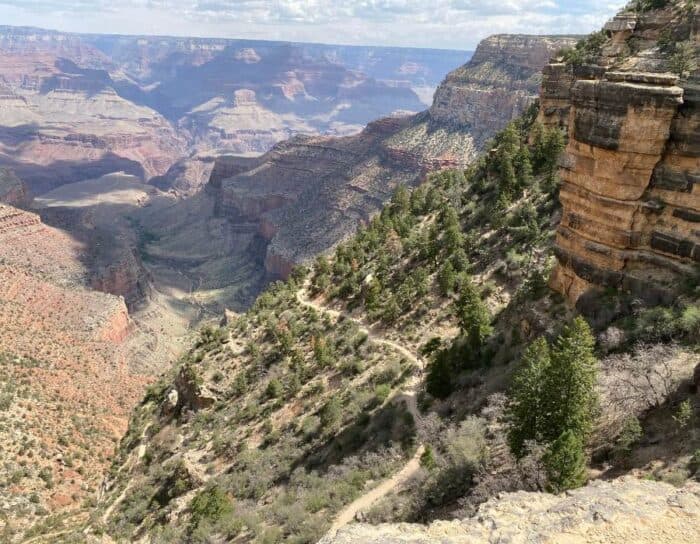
[621,511]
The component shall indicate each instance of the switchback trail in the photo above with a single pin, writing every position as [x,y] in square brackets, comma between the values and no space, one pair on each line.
[408,395]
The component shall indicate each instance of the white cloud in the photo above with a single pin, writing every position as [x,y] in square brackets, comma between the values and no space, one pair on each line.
[432,23]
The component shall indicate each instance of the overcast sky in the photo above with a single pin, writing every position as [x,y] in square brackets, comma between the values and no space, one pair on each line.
[456,24]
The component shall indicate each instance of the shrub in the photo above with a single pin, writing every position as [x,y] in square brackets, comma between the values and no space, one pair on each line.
[427,459]
[631,432]
[211,504]
[274,389]
[382,392]
[331,413]
[684,414]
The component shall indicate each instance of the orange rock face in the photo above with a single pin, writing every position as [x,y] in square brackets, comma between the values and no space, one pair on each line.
[630,173]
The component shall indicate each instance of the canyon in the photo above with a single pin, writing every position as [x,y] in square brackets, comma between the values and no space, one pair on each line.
[77,107]
[135,208]
[149,186]
[308,194]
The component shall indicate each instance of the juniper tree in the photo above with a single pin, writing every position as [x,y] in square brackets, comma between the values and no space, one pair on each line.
[565,462]
[446,278]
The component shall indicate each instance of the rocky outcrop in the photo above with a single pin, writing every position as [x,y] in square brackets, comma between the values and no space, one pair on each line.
[187,176]
[630,171]
[13,191]
[617,512]
[499,83]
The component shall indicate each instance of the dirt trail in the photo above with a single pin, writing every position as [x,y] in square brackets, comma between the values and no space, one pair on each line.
[408,395]
[365,502]
[303,299]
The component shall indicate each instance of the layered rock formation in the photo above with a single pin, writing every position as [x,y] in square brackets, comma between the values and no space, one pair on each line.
[499,83]
[309,193]
[76,107]
[61,121]
[632,165]
[617,512]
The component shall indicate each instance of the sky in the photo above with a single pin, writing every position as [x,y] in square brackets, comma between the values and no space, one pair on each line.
[450,24]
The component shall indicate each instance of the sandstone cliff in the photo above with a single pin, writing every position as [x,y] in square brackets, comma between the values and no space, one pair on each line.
[309,193]
[617,512]
[631,204]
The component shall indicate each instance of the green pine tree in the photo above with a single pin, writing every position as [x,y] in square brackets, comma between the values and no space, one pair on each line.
[526,411]
[570,400]
[474,318]
[446,279]
[523,166]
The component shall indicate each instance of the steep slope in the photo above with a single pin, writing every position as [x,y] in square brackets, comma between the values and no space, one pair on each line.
[69,372]
[629,98]
[302,405]
[311,408]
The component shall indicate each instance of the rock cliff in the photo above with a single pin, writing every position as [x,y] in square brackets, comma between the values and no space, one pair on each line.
[630,197]
[499,83]
[617,512]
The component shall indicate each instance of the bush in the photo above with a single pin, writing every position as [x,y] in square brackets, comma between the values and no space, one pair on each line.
[331,413]
[274,389]
[211,504]
[631,432]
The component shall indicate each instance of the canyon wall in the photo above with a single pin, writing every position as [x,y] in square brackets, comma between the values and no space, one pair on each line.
[309,193]
[630,172]
[66,355]
[499,83]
